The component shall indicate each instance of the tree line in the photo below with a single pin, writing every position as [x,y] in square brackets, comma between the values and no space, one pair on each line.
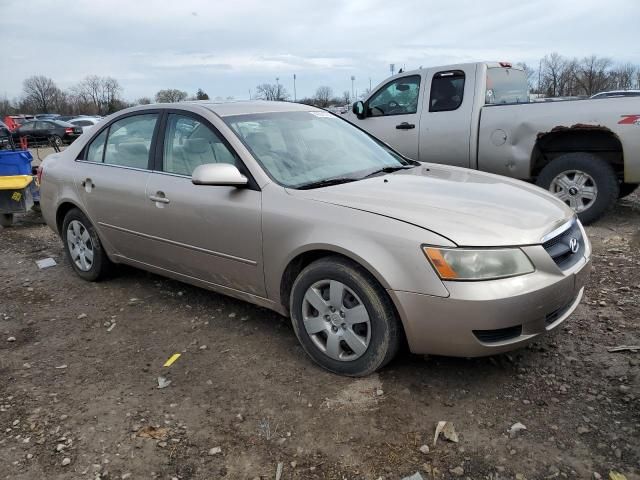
[556,76]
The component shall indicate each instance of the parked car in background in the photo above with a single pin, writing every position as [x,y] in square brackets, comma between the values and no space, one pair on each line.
[48,131]
[617,93]
[47,116]
[5,136]
[85,122]
[478,115]
[292,208]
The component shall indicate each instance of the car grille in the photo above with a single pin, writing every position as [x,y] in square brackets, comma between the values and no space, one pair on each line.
[499,334]
[559,247]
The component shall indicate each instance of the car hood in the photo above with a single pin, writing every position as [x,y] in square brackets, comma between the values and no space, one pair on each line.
[469,208]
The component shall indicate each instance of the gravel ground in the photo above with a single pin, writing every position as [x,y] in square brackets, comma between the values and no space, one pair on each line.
[79,396]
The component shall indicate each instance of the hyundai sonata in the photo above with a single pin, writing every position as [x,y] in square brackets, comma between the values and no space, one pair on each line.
[292,208]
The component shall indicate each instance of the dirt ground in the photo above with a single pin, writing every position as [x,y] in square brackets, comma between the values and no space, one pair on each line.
[79,396]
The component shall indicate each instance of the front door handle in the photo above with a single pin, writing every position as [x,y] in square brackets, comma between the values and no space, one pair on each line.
[153,198]
[159,198]
[405,126]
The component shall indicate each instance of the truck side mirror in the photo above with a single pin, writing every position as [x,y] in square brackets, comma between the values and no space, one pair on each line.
[358,109]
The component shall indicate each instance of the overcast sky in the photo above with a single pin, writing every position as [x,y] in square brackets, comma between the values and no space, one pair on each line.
[228,47]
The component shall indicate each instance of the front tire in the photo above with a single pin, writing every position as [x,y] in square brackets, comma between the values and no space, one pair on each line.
[343,318]
[584,182]
[83,247]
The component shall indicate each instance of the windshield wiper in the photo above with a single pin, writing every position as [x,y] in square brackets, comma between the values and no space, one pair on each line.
[326,183]
[388,170]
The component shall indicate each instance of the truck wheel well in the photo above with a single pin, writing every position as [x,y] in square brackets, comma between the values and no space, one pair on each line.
[579,138]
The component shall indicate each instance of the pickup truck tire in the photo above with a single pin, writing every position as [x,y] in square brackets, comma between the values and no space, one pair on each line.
[583,181]
[627,189]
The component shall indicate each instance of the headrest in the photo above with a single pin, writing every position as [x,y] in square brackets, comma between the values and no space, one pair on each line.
[195,145]
[133,148]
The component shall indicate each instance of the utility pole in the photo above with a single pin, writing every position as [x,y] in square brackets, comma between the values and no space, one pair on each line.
[539,75]
[392,67]
[369,84]
[353,97]
[295,98]
[277,89]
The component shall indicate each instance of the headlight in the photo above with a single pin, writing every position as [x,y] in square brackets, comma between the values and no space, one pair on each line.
[478,264]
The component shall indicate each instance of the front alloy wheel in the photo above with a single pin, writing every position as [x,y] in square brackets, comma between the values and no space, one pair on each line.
[336,320]
[343,318]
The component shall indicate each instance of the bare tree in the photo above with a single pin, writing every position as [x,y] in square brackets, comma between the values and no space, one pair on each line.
[171,95]
[346,97]
[98,95]
[624,76]
[41,92]
[530,72]
[323,96]
[143,101]
[271,91]
[557,76]
[592,75]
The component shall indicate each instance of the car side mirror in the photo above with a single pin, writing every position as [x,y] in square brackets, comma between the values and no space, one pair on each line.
[220,174]
[359,109]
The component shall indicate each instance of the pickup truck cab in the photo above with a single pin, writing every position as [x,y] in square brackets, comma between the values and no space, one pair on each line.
[478,115]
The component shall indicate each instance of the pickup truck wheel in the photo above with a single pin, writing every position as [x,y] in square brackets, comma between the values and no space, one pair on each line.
[343,318]
[627,189]
[584,182]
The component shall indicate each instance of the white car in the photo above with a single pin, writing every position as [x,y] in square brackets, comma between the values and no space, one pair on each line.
[87,123]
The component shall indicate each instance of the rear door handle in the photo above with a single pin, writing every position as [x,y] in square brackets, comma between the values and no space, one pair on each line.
[405,126]
[88,185]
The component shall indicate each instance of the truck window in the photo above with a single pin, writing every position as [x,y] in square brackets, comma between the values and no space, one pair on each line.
[447,89]
[399,97]
[506,85]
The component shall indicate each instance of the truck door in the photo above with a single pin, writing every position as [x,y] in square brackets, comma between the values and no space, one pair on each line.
[393,114]
[445,129]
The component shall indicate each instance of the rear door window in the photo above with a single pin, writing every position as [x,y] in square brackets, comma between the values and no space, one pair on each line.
[95,151]
[447,91]
[129,141]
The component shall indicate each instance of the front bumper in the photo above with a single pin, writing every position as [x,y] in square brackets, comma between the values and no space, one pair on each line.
[490,317]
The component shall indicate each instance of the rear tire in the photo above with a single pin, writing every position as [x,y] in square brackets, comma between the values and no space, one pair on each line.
[83,247]
[627,189]
[56,140]
[6,220]
[558,177]
[376,340]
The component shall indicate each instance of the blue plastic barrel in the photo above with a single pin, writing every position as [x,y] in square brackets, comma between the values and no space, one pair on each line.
[16,162]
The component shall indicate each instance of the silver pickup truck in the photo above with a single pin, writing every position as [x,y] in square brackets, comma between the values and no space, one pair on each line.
[478,115]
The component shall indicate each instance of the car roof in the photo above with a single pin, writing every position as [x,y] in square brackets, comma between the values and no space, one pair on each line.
[225,109]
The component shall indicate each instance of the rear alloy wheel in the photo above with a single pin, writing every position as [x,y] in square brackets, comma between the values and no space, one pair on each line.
[343,319]
[583,181]
[83,247]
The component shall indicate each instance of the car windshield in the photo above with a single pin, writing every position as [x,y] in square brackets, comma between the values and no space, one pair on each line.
[301,149]
[506,85]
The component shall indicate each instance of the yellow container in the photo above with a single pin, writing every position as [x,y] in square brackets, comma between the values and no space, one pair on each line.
[15,182]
